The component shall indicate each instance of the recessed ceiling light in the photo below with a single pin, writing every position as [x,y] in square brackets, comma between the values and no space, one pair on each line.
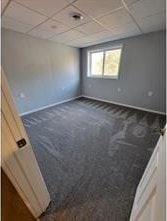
[76,16]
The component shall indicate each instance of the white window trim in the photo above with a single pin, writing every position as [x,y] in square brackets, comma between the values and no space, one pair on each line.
[89,75]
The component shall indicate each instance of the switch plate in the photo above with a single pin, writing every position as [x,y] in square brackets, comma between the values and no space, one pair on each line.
[150,93]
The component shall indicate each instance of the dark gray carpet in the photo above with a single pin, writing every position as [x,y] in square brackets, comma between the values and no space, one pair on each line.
[92,155]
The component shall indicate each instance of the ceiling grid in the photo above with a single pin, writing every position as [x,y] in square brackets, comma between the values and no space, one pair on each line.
[103,20]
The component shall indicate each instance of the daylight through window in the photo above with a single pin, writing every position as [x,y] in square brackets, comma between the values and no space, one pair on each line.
[104,63]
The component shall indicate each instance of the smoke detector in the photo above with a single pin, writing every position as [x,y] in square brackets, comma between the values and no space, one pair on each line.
[76,16]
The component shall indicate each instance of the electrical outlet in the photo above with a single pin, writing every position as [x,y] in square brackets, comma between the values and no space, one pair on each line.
[150,93]
[22,95]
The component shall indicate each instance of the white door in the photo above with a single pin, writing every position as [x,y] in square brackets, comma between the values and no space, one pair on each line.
[150,199]
[18,159]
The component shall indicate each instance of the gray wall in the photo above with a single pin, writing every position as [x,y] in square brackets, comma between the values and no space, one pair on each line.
[142,69]
[43,71]
[47,72]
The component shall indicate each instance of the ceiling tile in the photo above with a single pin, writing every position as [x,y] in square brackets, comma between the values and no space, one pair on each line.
[125,35]
[123,32]
[128,2]
[91,43]
[57,39]
[92,38]
[114,19]
[77,45]
[127,28]
[39,33]
[153,23]
[110,14]
[83,40]
[97,8]
[144,8]
[23,14]
[71,1]
[90,28]
[53,26]
[101,35]
[46,7]
[67,36]
[116,37]
[3,4]
[98,42]
[65,18]
[12,24]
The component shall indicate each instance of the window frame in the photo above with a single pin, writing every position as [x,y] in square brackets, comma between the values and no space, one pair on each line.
[89,62]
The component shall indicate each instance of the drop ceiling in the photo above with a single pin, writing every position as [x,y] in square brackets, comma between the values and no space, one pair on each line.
[103,20]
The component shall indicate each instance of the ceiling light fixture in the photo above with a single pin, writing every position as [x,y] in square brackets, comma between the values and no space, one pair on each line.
[76,16]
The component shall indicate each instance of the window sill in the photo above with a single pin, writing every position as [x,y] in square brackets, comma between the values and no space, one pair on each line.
[104,77]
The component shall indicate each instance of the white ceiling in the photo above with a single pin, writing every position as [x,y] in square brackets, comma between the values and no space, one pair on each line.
[103,20]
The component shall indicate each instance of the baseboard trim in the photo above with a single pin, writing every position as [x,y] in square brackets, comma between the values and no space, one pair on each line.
[94,98]
[47,106]
[125,105]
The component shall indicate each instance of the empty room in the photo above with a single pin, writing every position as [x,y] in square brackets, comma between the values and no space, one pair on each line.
[83,110]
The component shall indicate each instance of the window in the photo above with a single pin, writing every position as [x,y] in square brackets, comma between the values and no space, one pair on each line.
[104,63]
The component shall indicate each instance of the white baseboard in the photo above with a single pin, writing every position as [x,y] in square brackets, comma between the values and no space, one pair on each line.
[94,98]
[125,105]
[50,105]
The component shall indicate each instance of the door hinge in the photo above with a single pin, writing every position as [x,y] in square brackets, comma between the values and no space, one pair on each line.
[21,143]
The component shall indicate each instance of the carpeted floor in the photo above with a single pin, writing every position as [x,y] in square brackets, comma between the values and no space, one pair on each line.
[92,155]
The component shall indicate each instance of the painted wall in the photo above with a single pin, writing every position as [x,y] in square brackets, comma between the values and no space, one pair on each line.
[142,70]
[39,72]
